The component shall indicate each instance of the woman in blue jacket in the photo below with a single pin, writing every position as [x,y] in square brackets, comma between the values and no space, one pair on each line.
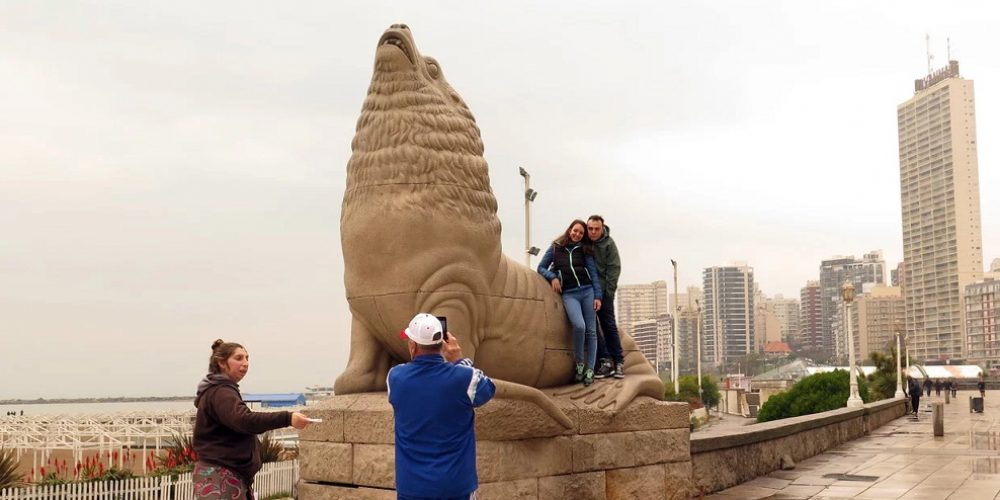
[569,266]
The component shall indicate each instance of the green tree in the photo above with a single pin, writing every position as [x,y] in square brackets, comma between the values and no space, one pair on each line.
[689,390]
[813,394]
[882,382]
[710,394]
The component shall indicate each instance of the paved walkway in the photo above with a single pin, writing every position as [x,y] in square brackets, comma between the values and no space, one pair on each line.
[901,459]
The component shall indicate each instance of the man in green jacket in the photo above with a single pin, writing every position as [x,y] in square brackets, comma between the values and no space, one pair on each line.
[609,267]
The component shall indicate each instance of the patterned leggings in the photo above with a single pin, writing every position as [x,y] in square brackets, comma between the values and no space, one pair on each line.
[218,483]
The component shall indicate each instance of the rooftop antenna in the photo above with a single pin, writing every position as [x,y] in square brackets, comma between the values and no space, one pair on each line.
[930,57]
[949,48]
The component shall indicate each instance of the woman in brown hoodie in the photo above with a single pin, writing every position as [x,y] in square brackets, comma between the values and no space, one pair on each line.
[225,430]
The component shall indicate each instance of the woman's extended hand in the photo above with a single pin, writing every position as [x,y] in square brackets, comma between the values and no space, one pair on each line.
[597,304]
[299,421]
[556,285]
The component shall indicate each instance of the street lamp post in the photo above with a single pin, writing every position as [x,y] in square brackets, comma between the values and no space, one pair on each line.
[847,293]
[899,374]
[529,196]
[675,370]
[697,329]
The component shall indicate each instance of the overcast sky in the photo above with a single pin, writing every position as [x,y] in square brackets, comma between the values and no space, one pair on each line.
[172,172]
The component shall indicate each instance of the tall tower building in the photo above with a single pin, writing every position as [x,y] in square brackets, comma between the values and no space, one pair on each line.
[644,333]
[635,303]
[810,338]
[687,327]
[982,309]
[787,312]
[728,314]
[942,234]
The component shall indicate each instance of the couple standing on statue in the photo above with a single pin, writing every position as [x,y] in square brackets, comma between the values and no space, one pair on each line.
[583,266]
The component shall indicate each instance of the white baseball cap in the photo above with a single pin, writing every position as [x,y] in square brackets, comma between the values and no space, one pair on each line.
[424,329]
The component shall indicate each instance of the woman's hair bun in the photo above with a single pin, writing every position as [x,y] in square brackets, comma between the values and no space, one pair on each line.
[217,343]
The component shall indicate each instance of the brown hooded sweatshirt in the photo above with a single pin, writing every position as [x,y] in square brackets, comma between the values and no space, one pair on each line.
[225,430]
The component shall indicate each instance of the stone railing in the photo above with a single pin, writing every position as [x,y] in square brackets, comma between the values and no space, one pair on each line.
[722,459]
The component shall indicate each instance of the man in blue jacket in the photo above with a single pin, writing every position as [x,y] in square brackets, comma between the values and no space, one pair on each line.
[433,399]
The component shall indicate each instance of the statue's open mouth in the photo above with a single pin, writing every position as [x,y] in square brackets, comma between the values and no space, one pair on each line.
[399,40]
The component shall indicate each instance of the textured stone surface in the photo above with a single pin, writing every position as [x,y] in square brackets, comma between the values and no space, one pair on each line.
[635,482]
[629,449]
[331,410]
[369,420]
[374,465]
[509,460]
[586,486]
[524,489]
[310,491]
[677,483]
[322,461]
[504,420]
[643,414]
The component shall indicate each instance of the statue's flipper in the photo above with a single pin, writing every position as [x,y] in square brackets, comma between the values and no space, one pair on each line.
[511,390]
[368,364]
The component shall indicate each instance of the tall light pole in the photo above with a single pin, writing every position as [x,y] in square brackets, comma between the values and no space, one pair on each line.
[847,293]
[899,361]
[529,196]
[675,370]
[697,329]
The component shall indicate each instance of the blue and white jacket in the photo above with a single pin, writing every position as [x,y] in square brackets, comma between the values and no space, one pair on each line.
[433,403]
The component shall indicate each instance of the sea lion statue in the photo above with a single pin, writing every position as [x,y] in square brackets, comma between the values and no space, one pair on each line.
[420,233]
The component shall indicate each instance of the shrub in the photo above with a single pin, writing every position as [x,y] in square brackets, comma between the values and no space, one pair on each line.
[9,477]
[882,383]
[813,394]
[270,450]
[689,391]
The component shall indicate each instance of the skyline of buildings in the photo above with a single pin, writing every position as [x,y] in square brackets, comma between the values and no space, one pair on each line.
[939,295]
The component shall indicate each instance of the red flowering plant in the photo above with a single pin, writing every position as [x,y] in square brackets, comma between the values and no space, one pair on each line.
[178,459]
[91,468]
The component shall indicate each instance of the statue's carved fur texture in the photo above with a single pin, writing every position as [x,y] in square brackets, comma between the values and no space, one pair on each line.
[420,233]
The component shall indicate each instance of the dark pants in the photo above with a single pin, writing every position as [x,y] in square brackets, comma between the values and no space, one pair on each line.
[915,400]
[609,345]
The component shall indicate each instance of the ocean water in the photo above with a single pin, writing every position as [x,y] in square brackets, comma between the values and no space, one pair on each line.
[97,408]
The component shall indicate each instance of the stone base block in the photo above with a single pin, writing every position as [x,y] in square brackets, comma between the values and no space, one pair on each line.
[642,451]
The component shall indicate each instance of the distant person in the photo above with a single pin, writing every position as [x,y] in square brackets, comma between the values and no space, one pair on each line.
[433,400]
[225,430]
[928,385]
[568,265]
[981,385]
[953,385]
[937,387]
[914,390]
[610,359]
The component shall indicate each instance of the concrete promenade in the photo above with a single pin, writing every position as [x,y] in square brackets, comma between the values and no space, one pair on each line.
[901,459]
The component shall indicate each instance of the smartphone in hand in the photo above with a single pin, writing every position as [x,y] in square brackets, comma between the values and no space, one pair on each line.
[444,326]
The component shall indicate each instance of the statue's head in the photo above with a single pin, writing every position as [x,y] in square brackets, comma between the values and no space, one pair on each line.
[400,66]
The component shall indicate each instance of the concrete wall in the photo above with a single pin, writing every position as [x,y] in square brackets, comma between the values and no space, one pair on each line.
[722,459]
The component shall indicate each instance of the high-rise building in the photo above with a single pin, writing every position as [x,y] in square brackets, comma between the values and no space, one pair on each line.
[728,313]
[833,273]
[878,316]
[942,233]
[646,338]
[810,338]
[897,275]
[787,313]
[687,324]
[635,303]
[664,342]
[982,316]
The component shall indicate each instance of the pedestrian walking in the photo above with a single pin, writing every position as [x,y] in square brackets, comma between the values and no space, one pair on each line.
[914,390]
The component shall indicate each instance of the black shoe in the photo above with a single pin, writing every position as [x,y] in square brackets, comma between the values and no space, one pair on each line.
[604,369]
[619,370]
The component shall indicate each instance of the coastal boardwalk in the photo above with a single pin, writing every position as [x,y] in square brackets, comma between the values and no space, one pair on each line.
[901,459]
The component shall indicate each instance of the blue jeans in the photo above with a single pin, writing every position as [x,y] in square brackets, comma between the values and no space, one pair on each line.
[579,303]
[609,345]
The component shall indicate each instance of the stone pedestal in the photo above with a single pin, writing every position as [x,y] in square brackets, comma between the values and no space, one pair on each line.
[642,451]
